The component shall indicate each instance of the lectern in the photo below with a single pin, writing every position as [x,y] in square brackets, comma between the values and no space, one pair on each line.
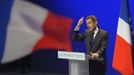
[78,62]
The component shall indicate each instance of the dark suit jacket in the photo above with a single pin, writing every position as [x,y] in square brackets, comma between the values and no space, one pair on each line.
[100,42]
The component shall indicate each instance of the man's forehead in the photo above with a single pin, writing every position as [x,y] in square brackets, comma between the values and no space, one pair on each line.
[89,20]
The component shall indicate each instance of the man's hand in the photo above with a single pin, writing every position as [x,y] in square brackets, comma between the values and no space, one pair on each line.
[80,22]
[94,55]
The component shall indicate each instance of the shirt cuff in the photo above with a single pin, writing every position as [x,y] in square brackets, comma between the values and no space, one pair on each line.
[76,28]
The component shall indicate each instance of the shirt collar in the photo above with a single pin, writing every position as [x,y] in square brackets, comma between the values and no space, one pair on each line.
[96,30]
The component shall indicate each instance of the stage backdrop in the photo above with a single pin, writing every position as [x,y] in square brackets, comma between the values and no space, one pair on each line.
[106,11]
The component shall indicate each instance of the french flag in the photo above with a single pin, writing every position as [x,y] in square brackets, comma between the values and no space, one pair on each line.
[30,28]
[122,59]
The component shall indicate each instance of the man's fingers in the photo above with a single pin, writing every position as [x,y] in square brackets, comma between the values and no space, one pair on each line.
[91,53]
[81,19]
[94,55]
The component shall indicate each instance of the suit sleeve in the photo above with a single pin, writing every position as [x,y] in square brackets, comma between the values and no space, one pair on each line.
[104,44]
[78,36]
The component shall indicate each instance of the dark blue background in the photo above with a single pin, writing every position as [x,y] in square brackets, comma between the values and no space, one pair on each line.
[106,11]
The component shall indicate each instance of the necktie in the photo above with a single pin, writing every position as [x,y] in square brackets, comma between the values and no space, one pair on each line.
[92,37]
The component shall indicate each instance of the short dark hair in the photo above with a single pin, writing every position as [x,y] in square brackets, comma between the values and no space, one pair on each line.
[91,17]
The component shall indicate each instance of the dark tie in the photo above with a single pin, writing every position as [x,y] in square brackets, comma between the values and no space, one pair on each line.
[92,38]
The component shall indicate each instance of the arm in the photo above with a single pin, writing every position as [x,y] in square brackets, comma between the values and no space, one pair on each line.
[76,34]
[104,44]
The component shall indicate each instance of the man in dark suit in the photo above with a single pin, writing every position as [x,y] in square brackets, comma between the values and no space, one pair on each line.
[96,42]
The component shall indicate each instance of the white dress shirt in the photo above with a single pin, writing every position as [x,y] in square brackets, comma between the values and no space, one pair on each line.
[96,31]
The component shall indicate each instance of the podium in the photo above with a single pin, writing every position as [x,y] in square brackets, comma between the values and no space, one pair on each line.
[78,62]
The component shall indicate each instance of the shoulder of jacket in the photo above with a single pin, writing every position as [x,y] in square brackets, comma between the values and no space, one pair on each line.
[103,31]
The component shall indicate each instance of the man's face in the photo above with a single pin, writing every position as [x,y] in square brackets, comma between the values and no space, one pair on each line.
[91,25]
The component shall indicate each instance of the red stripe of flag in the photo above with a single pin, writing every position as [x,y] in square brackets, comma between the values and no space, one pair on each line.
[56,31]
[122,56]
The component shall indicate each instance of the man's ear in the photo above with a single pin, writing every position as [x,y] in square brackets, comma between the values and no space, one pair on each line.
[96,22]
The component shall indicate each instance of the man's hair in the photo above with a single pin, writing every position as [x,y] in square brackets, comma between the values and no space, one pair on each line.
[92,17]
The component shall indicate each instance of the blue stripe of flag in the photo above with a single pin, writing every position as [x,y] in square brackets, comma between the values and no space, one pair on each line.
[124,11]
[5,10]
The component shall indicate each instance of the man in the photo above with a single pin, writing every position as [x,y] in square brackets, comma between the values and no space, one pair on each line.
[96,42]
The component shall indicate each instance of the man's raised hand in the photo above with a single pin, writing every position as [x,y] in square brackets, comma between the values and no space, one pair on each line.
[80,22]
